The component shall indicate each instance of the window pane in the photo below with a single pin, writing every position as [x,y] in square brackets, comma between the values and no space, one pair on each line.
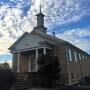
[83,56]
[75,55]
[72,76]
[79,56]
[70,55]
[33,64]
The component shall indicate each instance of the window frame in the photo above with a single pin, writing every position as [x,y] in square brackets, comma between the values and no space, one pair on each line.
[70,54]
[79,56]
[75,56]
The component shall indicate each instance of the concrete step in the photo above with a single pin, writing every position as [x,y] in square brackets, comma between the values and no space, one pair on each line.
[22,84]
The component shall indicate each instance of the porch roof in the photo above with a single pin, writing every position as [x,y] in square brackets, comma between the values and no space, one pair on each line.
[30,49]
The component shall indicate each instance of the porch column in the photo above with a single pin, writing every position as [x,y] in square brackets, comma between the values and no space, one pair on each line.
[18,62]
[29,64]
[44,51]
[36,59]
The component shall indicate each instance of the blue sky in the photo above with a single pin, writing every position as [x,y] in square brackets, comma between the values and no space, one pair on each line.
[70,19]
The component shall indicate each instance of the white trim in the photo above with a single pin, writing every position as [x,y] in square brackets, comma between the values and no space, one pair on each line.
[68,67]
[36,59]
[18,62]
[29,63]
[44,51]
[30,49]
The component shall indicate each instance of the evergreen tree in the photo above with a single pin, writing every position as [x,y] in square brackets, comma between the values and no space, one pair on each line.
[49,69]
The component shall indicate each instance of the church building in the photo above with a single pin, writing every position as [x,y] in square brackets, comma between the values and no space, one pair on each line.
[74,62]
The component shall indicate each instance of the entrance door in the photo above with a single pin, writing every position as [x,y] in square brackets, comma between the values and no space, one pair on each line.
[24,63]
[32,64]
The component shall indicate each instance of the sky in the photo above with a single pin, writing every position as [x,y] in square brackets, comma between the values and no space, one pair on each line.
[69,19]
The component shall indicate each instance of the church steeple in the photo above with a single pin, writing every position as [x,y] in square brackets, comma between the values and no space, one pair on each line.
[40,21]
[40,8]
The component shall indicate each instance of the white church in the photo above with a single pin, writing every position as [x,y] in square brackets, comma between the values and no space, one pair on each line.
[30,46]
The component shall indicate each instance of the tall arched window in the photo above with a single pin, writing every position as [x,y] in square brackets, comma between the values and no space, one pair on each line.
[70,54]
[79,56]
[75,55]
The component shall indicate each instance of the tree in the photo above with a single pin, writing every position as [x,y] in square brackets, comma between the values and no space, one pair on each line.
[49,69]
[7,77]
[4,65]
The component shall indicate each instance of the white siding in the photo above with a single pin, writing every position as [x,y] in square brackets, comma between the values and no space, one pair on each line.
[28,41]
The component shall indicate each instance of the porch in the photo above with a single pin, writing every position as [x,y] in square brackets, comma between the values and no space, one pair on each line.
[26,61]
[25,65]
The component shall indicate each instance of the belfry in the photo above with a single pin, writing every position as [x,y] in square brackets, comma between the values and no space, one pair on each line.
[40,22]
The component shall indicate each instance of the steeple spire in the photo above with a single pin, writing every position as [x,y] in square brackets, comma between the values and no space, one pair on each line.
[40,7]
[40,21]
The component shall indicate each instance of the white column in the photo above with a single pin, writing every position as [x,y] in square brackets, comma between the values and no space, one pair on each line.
[44,51]
[18,62]
[36,59]
[29,64]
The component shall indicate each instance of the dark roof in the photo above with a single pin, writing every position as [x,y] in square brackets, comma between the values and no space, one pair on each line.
[57,40]
[49,38]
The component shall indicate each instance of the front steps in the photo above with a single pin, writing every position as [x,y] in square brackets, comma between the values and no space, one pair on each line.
[22,84]
[25,81]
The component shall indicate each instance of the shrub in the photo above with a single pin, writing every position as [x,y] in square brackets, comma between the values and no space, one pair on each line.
[87,79]
[7,77]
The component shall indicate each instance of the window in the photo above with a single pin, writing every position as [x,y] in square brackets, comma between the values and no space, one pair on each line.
[79,56]
[75,55]
[77,75]
[70,55]
[33,64]
[72,76]
[83,56]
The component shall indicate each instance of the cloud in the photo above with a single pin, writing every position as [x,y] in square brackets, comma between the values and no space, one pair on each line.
[78,37]
[9,27]
[64,11]
[14,20]
[12,26]
[5,42]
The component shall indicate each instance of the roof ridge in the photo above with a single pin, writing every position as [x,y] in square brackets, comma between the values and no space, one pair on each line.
[49,36]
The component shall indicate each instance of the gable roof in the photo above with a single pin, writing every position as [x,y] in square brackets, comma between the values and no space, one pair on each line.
[57,40]
[48,38]
[26,33]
